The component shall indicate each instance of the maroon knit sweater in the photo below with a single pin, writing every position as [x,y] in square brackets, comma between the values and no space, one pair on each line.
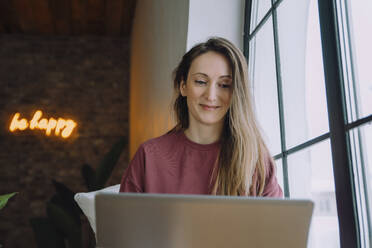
[174,164]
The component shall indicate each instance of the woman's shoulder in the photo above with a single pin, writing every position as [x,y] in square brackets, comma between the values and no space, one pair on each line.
[269,163]
[168,140]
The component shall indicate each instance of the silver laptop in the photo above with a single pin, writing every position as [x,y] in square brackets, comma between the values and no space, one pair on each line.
[128,220]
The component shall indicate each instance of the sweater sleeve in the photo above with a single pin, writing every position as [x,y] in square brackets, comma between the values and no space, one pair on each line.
[272,188]
[133,177]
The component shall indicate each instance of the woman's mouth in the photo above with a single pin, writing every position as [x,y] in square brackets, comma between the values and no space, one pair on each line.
[209,107]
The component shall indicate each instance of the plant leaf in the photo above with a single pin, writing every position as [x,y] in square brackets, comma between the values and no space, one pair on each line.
[108,163]
[46,235]
[57,200]
[65,223]
[89,176]
[67,199]
[4,199]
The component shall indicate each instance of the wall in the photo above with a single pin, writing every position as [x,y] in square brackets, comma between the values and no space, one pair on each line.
[162,33]
[85,79]
[158,42]
[224,18]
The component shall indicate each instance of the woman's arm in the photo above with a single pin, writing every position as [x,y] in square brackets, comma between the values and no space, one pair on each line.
[272,188]
[133,178]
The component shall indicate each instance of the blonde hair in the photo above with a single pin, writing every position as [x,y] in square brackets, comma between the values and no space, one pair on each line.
[241,161]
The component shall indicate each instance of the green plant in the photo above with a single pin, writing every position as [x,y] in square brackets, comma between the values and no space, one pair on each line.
[62,227]
[4,199]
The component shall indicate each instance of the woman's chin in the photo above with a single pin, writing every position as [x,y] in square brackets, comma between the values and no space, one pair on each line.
[211,122]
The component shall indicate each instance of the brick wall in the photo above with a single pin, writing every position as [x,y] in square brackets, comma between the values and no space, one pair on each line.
[82,78]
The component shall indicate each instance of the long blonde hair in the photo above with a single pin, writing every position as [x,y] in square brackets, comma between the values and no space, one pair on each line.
[242,157]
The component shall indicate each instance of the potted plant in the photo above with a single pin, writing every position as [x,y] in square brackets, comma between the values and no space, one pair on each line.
[63,226]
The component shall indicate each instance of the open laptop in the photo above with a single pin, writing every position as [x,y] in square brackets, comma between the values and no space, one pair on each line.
[197,221]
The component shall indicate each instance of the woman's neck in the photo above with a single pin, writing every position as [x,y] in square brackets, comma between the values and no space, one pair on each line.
[203,134]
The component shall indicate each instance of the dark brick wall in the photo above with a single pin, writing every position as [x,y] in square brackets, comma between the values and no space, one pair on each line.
[82,78]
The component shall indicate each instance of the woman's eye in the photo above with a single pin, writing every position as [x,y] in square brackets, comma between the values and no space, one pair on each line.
[200,82]
[225,85]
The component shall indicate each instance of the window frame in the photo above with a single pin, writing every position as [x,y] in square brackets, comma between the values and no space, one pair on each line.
[339,127]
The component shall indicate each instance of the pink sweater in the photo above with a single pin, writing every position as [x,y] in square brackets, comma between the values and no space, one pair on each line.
[174,164]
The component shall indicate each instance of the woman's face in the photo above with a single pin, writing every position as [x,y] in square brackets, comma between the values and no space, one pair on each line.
[208,89]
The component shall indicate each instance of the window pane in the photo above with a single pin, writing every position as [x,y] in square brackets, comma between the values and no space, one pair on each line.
[310,174]
[279,172]
[360,23]
[304,97]
[263,77]
[259,10]
[361,145]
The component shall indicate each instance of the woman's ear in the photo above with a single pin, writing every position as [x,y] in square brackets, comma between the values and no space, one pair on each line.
[183,88]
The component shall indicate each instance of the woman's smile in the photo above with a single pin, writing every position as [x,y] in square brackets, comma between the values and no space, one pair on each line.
[209,107]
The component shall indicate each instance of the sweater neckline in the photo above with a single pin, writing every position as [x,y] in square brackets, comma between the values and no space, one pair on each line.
[211,146]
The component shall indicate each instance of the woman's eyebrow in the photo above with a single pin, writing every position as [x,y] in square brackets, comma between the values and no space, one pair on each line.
[203,74]
[226,76]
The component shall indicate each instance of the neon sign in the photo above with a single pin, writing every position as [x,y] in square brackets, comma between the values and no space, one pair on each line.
[57,126]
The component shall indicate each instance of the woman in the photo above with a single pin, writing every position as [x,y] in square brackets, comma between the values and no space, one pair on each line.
[216,146]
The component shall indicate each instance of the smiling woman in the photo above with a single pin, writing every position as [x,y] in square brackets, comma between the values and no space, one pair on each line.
[215,147]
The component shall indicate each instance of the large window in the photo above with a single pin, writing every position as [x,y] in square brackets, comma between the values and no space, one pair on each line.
[312,85]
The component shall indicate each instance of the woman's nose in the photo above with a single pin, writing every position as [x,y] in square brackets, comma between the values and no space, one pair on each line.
[211,92]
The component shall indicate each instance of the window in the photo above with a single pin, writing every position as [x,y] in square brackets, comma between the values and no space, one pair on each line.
[312,86]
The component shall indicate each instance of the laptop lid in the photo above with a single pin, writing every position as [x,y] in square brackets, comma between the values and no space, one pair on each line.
[199,221]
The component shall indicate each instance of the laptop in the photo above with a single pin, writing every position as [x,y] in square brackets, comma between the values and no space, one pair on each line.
[130,220]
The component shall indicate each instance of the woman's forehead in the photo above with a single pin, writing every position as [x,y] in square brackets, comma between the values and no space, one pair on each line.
[210,64]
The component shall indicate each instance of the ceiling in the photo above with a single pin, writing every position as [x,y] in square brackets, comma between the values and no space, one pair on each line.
[67,17]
